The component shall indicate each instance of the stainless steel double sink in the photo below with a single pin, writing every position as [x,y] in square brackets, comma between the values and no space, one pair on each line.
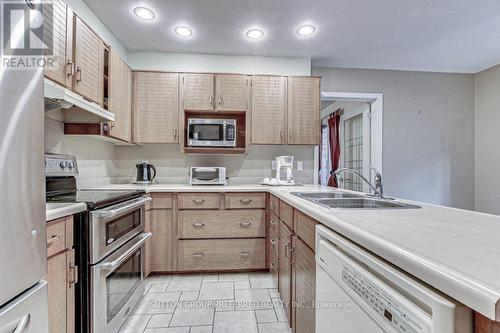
[347,200]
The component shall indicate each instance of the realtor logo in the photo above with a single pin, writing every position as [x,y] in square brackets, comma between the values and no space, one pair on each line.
[26,40]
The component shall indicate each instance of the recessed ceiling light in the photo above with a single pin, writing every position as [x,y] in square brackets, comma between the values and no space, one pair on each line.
[183,31]
[255,34]
[144,13]
[306,30]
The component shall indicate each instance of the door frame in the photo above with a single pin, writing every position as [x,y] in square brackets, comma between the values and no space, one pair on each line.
[377,111]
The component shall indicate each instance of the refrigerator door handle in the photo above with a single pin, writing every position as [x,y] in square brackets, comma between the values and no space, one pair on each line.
[23,324]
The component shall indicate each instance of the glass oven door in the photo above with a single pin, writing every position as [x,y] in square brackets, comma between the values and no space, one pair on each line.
[117,285]
[113,226]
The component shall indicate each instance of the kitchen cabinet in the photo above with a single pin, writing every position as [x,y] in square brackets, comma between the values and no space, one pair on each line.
[303,117]
[198,92]
[273,257]
[61,275]
[285,287]
[268,109]
[485,325]
[159,221]
[156,107]
[120,97]
[232,92]
[304,287]
[89,67]
[58,33]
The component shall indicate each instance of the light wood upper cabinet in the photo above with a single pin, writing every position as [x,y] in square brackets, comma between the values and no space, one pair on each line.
[198,92]
[268,109]
[120,97]
[156,107]
[89,54]
[303,110]
[58,33]
[232,92]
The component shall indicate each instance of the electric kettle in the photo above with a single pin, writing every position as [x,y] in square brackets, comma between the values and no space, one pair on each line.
[145,173]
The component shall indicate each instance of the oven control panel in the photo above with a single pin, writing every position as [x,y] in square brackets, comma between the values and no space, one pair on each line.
[388,308]
[59,165]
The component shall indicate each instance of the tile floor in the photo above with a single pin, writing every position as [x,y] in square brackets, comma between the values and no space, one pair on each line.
[209,303]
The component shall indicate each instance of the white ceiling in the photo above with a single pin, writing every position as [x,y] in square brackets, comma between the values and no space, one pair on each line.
[429,35]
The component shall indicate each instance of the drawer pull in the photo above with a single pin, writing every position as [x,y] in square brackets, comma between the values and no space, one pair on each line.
[272,265]
[198,201]
[198,225]
[245,224]
[245,254]
[273,242]
[245,201]
[198,255]
[53,239]
[273,222]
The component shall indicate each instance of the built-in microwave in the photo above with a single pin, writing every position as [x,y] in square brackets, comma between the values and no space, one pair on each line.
[211,132]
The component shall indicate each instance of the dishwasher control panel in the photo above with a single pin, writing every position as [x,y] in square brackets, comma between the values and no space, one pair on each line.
[389,309]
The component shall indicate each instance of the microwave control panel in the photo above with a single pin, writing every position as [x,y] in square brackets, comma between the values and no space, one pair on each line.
[230,132]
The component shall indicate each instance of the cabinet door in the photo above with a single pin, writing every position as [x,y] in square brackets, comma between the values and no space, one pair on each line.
[285,269]
[57,287]
[303,110]
[268,109]
[232,92]
[273,257]
[305,287]
[58,33]
[161,241]
[198,92]
[156,107]
[88,61]
[120,97]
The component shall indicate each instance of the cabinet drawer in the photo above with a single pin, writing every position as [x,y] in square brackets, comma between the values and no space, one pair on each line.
[199,200]
[222,223]
[222,254]
[274,223]
[56,237]
[245,200]
[286,214]
[274,204]
[305,228]
[161,201]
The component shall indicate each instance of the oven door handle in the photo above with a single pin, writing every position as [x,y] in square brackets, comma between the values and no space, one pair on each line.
[112,265]
[114,212]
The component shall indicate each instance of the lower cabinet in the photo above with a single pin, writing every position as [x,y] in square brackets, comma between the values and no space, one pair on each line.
[273,257]
[285,269]
[62,275]
[305,287]
[159,249]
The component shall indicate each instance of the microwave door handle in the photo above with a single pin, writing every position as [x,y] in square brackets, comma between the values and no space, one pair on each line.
[112,265]
[113,212]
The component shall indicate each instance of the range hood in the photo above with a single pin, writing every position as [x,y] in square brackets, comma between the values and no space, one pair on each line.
[73,107]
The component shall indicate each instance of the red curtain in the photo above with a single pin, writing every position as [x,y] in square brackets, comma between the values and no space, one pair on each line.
[334,137]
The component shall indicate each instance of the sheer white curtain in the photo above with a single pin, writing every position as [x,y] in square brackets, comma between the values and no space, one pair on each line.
[326,165]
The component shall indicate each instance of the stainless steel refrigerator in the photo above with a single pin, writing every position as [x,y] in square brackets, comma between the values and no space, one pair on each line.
[23,263]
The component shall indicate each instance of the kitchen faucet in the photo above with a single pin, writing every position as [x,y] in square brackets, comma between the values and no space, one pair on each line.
[378,188]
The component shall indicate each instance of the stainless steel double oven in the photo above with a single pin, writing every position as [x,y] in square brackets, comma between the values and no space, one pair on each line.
[117,262]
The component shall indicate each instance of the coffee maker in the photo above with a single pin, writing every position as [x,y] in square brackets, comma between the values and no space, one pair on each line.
[284,170]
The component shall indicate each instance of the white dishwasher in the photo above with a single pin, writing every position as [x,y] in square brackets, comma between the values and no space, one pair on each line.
[356,292]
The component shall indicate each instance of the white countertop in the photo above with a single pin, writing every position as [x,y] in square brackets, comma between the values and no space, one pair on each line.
[55,210]
[455,251]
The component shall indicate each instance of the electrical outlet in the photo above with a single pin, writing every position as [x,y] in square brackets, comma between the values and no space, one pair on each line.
[273,165]
[300,165]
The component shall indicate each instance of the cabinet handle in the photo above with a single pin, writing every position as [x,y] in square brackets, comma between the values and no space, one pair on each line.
[273,222]
[53,239]
[198,255]
[245,224]
[290,136]
[211,99]
[273,242]
[245,254]
[74,269]
[175,133]
[70,69]
[245,201]
[78,75]
[272,265]
[198,201]
[219,100]
[281,135]
[198,225]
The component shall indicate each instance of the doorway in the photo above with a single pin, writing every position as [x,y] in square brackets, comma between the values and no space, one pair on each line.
[360,137]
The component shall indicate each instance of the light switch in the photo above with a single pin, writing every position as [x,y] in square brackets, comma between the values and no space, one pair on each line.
[300,166]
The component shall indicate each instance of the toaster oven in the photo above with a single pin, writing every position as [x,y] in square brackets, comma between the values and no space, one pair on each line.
[207,176]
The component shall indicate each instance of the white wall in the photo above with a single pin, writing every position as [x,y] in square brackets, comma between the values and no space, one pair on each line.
[177,62]
[428,139]
[487,140]
[172,166]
